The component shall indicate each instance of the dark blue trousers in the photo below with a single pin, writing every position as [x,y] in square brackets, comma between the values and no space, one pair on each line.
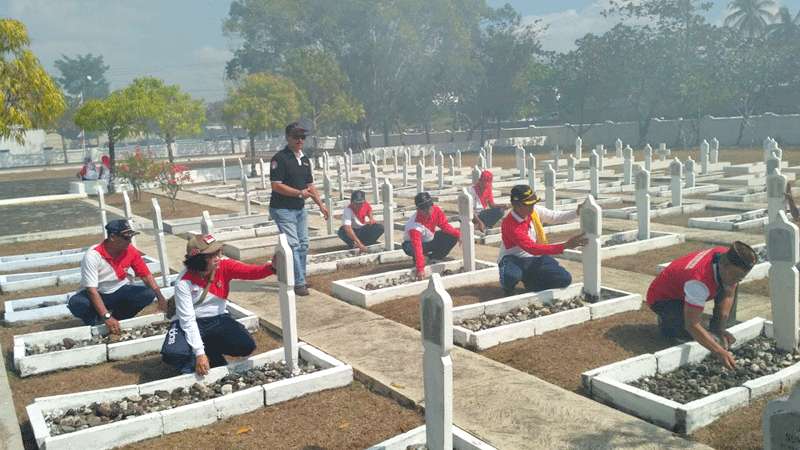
[368,234]
[123,304]
[222,335]
[491,216]
[537,273]
[436,248]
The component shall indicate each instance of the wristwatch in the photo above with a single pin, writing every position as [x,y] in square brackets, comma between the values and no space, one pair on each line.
[299,194]
[107,315]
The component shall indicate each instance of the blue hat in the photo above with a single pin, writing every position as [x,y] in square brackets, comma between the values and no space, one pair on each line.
[120,226]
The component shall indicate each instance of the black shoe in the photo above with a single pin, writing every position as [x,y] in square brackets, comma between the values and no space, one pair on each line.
[301,291]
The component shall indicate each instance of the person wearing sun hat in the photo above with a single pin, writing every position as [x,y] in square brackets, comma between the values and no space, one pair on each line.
[358,228]
[525,254]
[201,298]
[106,295]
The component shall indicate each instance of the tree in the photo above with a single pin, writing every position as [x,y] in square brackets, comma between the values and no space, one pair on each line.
[785,28]
[83,76]
[140,168]
[113,115]
[262,102]
[167,111]
[29,97]
[750,17]
[323,86]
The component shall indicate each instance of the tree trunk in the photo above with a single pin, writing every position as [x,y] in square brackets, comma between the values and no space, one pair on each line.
[64,148]
[427,133]
[233,147]
[253,172]
[113,161]
[170,156]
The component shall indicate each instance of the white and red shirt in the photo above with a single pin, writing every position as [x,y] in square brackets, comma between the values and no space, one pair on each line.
[483,200]
[107,274]
[691,278]
[519,235]
[356,218]
[189,289]
[421,228]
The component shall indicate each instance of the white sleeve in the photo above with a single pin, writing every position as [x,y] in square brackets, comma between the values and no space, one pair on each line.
[696,293]
[89,266]
[347,217]
[185,311]
[550,217]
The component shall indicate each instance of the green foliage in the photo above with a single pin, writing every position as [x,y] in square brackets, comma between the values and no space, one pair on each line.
[138,169]
[172,178]
[28,96]
[750,17]
[74,73]
[263,102]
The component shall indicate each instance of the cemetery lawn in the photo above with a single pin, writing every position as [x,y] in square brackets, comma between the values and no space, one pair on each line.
[49,245]
[50,216]
[141,369]
[39,292]
[647,261]
[42,174]
[683,219]
[344,418]
[758,287]
[144,207]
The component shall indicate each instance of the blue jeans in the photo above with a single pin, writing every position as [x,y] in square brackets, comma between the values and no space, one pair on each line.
[123,303]
[221,335]
[294,224]
[537,273]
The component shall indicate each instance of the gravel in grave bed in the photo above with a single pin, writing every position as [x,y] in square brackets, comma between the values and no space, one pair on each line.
[316,259]
[38,305]
[153,329]
[761,253]
[756,358]
[532,311]
[74,419]
[406,278]
[618,240]
[748,217]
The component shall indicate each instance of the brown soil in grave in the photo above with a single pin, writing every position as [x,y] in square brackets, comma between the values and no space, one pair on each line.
[589,345]
[682,220]
[406,310]
[40,292]
[144,207]
[43,268]
[323,282]
[137,370]
[647,261]
[50,245]
[43,174]
[344,418]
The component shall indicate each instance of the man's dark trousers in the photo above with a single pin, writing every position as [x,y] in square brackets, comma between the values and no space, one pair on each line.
[123,303]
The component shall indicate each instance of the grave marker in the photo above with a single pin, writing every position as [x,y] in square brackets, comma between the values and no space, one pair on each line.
[520,160]
[420,171]
[101,200]
[627,164]
[405,175]
[482,162]
[600,157]
[458,158]
[326,186]
[777,152]
[387,192]
[594,176]
[776,188]
[224,172]
[714,151]
[690,173]
[780,423]
[676,173]
[592,226]
[161,244]
[437,341]
[283,257]
[264,173]
[206,224]
[618,148]
[340,183]
[490,155]
[578,148]
[532,171]
[648,157]
[783,247]
[394,161]
[767,148]
[704,156]
[440,170]
[642,186]
[773,165]
[571,168]
[245,191]
[476,174]
[126,201]
[663,151]
[373,178]
[556,158]
[452,166]
[550,187]
[465,212]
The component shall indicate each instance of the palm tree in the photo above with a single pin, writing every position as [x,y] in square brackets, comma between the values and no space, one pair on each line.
[786,27]
[750,17]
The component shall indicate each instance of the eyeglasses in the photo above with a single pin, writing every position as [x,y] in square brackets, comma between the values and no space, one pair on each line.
[299,138]
[127,237]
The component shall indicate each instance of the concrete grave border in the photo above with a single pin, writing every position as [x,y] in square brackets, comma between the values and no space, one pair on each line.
[657,240]
[180,226]
[348,258]
[461,440]
[488,338]
[42,259]
[725,222]
[334,374]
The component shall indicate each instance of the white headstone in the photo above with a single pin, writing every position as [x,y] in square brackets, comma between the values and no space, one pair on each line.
[600,157]
[550,187]
[465,213]
[777,152]
[283,257]
[773,165]
[373,178]
[326,186]
[339,178]
[420,171]
[440,170]
[571,168]
[783,247]
[476,174]
[663,151]
[676,185]
[705,150]
[594,174]
[245,191]
[394,161]
[224,172]
[520,159]
[648,157]
[776,189]
[458,158]
[578,148]
[627,165]
[482,162]
[592,226]
[126,201]
[161,244]
[780,424]
[767,147]
[714,151]
[436,313]
[556,158]
[452,166]
[101,200]
[690,173]
[490,155]
[531,168]
[264,173]
[206,224]
[642,188]
[405,175]
[618,148]
[387,192]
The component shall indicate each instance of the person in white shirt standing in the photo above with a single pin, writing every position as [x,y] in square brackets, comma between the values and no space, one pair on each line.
[359,229]
[106,295]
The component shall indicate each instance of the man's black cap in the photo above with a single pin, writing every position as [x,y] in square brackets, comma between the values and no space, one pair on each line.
[297,129]
[742,255]
[358,197]
[120,226]
[522,193]
[423,200]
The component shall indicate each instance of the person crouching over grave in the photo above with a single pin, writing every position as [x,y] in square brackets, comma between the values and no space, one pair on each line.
[525,252]
[204,331]
[679,294]
[421,238]
[487,213]
[359,229]
[106,294]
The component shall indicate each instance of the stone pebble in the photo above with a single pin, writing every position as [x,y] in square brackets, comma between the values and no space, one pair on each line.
[74,419]
[531,311]
[405,279]
[153,329]
[756,358]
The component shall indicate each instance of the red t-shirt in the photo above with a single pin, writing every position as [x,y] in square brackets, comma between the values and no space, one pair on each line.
[691,278]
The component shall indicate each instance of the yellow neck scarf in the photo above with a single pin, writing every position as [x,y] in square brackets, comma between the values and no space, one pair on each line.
[537,226]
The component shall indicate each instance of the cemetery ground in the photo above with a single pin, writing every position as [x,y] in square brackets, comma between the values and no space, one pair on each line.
[183,209]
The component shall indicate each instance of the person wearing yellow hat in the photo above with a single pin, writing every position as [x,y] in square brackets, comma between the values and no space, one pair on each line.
[525,254]
[203,331]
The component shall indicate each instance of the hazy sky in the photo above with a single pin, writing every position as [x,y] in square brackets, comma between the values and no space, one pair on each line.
[181,41]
